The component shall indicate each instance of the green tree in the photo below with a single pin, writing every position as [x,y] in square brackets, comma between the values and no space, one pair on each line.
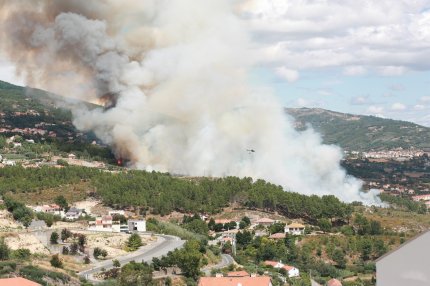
[246,220]
[243,238]
[65,234]
[73,248]
[277,227]
[21,254]
[82,239]
[339,258]
[65,250]
[135,274]
[2,142]
[54,238]
[227,248]
[4,250]
[366,249]
[188,259]
[197,226]
[116,263]
[56,261]
[62,202]
[211,224]
[375,228]
[134,242]
[362,224]
[218,227]
[99,252]
[380,247]
[324,224]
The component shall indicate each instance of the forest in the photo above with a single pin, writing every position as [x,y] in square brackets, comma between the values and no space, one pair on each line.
[162,193]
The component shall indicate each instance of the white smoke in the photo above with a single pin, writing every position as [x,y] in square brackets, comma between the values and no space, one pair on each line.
[176,75]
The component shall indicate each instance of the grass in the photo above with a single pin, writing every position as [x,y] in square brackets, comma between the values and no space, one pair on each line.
[400,220]
[72,193]
[174,229]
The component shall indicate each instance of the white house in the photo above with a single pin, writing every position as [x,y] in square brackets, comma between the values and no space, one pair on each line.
[274,264]
[73,214]
[138,225]
[51,209]
[265,221]
[291,270]
[295,229]
[105,224]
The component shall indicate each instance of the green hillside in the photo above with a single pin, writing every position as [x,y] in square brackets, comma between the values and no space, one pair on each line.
[35,115]
[31,110]
[361,133]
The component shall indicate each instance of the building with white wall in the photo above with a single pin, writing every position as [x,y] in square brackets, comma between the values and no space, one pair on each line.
[138,225]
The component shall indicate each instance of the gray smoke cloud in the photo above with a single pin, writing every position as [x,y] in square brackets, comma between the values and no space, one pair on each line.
[175,75]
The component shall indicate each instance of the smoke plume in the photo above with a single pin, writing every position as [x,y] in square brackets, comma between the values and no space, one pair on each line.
[175,78]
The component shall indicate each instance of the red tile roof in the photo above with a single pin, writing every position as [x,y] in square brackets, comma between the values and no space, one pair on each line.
[288,267]
[277,235]
[334,282]
[238,274]
[18,281]
[271,263]
[223,221]
[234,281]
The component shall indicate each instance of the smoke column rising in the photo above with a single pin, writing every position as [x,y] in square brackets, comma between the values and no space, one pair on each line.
[175,75]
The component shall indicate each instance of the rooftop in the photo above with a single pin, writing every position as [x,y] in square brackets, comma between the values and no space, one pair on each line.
[270,263]
[242,273]
[296,225]
[279,235]
[288,267]
[18,281]
[334,282]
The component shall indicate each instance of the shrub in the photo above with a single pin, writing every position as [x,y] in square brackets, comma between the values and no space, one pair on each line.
[21,254]
[99,252]
[134,242]
[65,234]
[65,250]
[56,261]
[54,238]
[4,250]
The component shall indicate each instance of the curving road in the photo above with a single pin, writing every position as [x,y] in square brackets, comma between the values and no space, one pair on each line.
[164,244]
[226,260]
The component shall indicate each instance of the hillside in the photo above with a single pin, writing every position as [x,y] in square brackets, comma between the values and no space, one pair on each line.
[360,132]
[34,113]
[35,116]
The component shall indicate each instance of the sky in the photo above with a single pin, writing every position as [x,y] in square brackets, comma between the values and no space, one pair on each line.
[363,57]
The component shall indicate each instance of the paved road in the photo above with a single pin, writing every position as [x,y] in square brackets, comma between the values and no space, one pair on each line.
[164,244]
[226,260]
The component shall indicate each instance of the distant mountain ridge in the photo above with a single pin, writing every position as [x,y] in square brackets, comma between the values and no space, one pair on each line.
[22,107]
[361,132]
